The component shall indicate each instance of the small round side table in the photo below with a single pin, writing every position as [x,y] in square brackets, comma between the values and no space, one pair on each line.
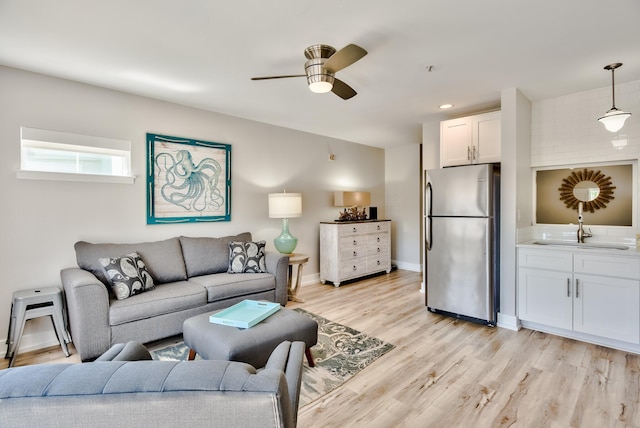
[299,260]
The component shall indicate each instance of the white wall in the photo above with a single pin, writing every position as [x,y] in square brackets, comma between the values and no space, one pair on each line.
[403,204]
[515,195]
[41,220]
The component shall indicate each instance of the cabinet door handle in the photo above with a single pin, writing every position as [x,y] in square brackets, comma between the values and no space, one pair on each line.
[577,288]
[468,153]
[568,287]
[474,153]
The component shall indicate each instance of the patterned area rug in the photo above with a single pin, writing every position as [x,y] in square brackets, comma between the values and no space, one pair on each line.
[341,352]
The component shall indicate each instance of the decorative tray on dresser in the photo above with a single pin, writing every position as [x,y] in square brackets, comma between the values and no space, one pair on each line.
[353,249]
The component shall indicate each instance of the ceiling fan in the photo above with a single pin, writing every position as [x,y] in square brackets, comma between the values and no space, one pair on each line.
[323,61]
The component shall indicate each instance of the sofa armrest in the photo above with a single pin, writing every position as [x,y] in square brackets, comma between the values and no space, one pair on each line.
[88,310]
[278,265]
[288,358]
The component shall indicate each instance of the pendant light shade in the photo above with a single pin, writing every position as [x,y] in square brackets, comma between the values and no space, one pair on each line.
[613,120]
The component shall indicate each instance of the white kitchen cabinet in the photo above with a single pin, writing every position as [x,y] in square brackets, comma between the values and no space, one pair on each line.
[350,250]
[607,296]
[593,295]
[471,139]
[545,297]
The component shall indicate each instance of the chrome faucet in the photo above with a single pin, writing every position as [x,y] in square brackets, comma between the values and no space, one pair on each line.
[581,233]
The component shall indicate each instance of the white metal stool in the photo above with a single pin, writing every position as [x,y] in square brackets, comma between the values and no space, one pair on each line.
[35,303]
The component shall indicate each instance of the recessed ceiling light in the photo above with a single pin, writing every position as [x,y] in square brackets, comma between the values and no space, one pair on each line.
[445,106]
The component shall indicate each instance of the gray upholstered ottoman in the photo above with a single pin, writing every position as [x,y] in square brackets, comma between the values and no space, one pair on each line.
[251,345]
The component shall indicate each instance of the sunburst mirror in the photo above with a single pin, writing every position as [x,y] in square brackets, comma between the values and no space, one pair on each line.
[593,188]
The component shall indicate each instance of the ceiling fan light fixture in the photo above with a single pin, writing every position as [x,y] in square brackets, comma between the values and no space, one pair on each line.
[614,119]
[321,86]
[320,80]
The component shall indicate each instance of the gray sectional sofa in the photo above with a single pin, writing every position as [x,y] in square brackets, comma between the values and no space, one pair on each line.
[190,276]
[155,393]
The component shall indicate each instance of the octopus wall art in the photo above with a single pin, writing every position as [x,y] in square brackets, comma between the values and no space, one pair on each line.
[188,180]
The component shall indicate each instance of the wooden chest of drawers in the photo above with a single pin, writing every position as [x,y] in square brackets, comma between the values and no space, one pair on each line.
[351,250]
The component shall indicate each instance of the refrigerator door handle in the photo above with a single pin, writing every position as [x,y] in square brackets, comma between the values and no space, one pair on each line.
[428,201]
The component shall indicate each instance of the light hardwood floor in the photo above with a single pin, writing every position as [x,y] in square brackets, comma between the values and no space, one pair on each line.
[449,373]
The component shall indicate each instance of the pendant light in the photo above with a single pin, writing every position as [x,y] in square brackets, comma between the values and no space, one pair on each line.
[614,119]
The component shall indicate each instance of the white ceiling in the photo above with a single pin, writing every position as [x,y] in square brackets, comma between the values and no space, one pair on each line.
[202,53]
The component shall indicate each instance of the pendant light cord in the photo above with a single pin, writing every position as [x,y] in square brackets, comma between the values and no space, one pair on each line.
[613,90]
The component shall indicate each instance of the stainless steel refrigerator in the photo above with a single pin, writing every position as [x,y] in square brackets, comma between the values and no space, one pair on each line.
[462,225]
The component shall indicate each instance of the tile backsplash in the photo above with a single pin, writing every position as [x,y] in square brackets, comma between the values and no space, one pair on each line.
[565,130]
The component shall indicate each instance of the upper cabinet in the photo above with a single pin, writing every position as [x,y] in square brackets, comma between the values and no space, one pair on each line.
[469,140]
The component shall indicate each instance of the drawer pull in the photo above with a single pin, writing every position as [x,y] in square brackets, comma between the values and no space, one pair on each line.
[378,262]
[378,239]
[355,242]
[355,229]
[355,253]
[378,249]
[378,227]
[355,267]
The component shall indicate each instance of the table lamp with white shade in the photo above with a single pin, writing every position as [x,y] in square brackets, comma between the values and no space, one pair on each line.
[285,206]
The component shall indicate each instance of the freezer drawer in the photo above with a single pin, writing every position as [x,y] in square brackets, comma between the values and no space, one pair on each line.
[459,267]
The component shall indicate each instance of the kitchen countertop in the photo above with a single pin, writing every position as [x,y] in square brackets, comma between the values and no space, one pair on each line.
[591,247]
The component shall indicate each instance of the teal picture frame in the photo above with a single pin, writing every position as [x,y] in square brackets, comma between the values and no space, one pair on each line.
[188,181]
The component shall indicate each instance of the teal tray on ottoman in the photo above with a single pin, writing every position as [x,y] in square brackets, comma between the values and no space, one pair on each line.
[248,345]
[245,314]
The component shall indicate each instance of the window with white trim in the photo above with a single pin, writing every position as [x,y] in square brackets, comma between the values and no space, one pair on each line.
[64,156]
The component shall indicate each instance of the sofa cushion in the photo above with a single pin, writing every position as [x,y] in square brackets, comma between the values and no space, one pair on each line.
[222,286]
[165,299]
[203,256]
[163,258]
[247,257]
[127,275]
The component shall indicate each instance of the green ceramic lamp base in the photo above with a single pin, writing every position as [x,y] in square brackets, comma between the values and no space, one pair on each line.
[286,242]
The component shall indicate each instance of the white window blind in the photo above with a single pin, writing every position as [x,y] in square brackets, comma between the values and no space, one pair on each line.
[64,156]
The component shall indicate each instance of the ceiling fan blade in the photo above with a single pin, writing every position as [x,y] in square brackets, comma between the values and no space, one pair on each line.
[343,90]
[278,77]
[344,58]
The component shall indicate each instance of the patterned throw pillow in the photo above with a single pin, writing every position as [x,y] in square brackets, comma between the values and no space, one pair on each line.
[247,257]
[127,275]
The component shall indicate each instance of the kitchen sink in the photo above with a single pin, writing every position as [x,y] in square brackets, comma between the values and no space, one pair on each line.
[586,246]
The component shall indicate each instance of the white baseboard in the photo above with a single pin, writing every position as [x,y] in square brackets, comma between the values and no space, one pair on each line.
[311,279]
[509,322]
[32,342]
[408,266]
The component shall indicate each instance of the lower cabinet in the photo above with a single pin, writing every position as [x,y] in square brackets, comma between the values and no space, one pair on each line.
[589,294]
[607,307]
[544,297]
